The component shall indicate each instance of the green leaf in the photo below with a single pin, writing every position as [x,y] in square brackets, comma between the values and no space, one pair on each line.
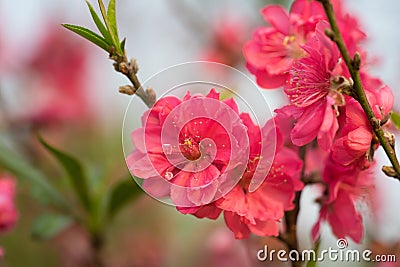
[121,194]
[123,45]
[89,35]
[22,169]
[396,119]
[99,24]
[112,19]
[47,226]
[103,11]
[313,263]
[113,33]
[75,172]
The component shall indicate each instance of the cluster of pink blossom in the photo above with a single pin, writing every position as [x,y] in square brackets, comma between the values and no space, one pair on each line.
[8,212]
[242,151]
[295,53]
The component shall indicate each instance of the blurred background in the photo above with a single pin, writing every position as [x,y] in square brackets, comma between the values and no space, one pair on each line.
[60,85]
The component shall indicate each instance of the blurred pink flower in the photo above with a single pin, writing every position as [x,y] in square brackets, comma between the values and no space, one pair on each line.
[227,40]
[346,186]
[2,48]
[59,79]
[224,251]
[186,147]
[8,211]
[353,35]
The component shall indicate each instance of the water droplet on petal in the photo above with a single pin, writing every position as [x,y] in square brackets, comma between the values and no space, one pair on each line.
[167,149]
[169,175]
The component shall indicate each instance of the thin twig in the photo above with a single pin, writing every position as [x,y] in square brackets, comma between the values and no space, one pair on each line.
[130,69]
[353,65]
[97,245]
[291,216]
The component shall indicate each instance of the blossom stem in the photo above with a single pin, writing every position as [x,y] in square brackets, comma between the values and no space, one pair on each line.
[290,237]
[97,244]
[358,91]
[129,69]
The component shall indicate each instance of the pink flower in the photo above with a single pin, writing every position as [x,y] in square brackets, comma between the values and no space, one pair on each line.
[2,54]
[227,41]
[353,35]
[260,211]
[223,250]
[193,150]
[356,136]
[8,212]
[343,217]
[346,186]
[271,52]
[311,79]
[313,89]
[59,75]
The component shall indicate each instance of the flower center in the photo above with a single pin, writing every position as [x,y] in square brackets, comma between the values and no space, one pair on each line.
[309,82]
[249,173]
[190,148]
[292,45]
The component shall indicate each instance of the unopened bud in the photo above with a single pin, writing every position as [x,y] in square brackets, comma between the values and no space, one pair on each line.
[389,171]
[151,94]
[385,117]
[357,61]
[330,34]
[123,67]
[134,65]
[390,137]
[126,89]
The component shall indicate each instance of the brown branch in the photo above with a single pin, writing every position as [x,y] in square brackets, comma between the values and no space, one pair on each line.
[359,94]
[291,216]
[130,69]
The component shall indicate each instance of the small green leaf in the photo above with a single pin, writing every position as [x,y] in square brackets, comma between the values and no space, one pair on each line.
[99,24]
[75,172]
[47,226]
[396,119]
[313,263]
[114,34]
[22,169]
[103,11]
[89,35]
[112,19]
[121,194]
[123,45]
